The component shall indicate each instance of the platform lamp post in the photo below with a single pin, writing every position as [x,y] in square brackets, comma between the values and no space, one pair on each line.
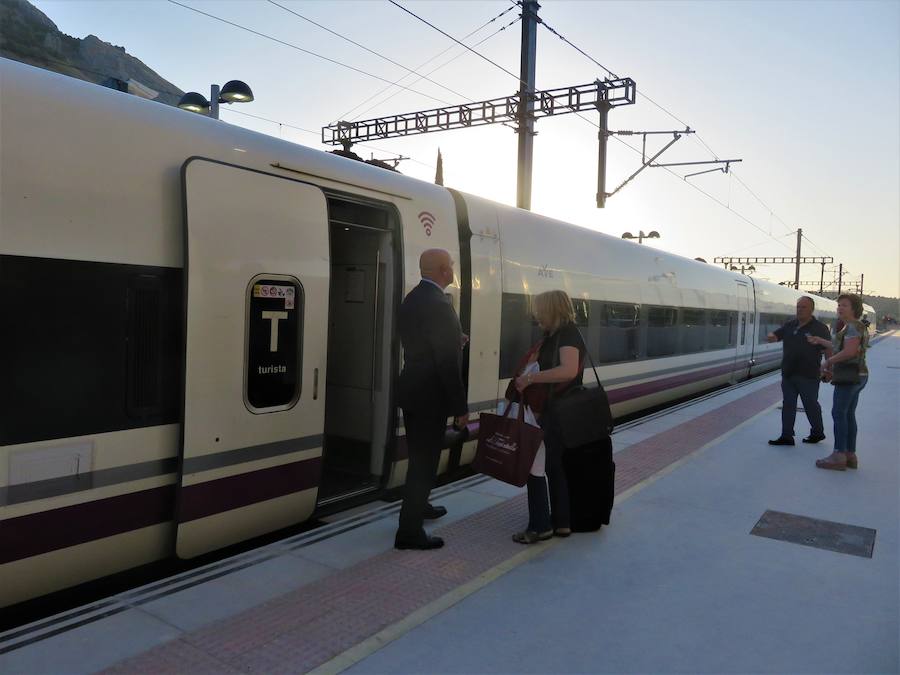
[234,91]
[653,234]
[750,269]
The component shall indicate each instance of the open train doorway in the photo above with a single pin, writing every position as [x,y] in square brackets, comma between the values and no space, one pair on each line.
[364,282]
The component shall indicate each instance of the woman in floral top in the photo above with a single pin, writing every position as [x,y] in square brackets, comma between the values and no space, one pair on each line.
[849,347]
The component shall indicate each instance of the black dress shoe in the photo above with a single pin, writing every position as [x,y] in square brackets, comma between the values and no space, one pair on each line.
[434,512]
[425,544]
[782,441]
[813,439]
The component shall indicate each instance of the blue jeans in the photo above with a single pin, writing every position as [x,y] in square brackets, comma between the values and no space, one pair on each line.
[808,390]
[843,412]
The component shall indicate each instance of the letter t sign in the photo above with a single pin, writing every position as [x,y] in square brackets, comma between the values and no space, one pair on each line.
[275,317]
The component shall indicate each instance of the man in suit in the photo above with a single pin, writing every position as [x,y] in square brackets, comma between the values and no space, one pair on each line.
[431,390]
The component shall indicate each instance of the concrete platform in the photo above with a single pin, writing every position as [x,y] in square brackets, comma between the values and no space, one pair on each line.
[676,583]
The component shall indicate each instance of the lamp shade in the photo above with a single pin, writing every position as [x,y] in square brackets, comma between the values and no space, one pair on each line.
[653,235]
[627,235]
[236,91]
[194,102]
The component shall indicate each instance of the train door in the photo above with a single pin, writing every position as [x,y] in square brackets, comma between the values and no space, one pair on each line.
[745,333]
[256,273]
[480,307]
[361,310]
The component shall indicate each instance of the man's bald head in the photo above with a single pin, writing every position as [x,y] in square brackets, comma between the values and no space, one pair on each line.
[436,265]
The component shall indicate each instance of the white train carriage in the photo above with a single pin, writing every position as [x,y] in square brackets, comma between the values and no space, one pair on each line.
[200,343]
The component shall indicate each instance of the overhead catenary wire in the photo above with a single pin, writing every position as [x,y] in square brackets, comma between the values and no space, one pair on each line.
[614,76]
[765,206]
[445,63]
[305,51]
[425,63]
[813,244]
[579,50]
[361,46]
[701,191]
[445,34]
[714,154]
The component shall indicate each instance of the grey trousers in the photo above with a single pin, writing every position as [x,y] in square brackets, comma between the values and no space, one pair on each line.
[807,388]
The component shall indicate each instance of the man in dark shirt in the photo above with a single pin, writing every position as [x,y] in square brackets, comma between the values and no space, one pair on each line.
[800,372]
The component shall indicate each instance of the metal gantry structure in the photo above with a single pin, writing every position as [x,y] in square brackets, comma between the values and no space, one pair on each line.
[849,286]
[545,103]
[796,261]
[600,95]
[522,108]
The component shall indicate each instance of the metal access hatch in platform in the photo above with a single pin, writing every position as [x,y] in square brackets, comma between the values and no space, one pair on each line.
[825,534]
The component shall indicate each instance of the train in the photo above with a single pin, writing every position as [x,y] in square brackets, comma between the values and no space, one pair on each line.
[200,341]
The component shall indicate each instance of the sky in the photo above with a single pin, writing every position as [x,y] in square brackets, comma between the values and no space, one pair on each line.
[806,93]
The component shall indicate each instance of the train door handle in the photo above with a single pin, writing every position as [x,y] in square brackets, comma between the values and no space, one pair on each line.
[315,384]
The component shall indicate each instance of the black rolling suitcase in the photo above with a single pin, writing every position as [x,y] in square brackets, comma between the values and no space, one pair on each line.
[591,475]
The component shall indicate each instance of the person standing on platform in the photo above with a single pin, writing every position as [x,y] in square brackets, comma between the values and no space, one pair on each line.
[800,373]
[561,359]
[431,390]
[847,352]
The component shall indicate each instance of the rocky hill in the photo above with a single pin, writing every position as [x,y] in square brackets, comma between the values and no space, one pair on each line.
[29,36]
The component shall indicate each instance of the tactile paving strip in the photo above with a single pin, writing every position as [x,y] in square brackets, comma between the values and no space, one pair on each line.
[307,627]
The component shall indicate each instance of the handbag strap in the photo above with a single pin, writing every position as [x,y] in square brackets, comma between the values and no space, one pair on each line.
[590,358]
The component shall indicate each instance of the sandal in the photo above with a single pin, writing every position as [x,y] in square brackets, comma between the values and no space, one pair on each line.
[836,461]
[562,532]
[531,537]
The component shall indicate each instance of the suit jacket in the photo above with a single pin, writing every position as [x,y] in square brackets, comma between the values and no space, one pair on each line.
[432,350]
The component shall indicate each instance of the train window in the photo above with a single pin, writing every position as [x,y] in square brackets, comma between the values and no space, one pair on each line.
[518,331]
[662,333]
[770,322]
[765,321]
[107,358]
[692,330]
[721,330]
[145,322]
[614,329]
[274,342]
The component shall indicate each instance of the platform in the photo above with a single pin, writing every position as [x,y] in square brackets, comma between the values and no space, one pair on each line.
[676,583]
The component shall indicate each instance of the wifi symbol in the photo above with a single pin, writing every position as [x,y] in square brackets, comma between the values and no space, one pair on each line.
[428,221]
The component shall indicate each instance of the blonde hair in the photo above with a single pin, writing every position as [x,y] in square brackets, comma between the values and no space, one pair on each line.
[554,309]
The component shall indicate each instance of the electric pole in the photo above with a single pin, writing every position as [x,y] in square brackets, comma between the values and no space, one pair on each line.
[602,137]
[797,268]
[526,103]
[840,276]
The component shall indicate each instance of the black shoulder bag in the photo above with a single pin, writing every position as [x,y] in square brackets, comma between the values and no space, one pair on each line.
[581,415]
